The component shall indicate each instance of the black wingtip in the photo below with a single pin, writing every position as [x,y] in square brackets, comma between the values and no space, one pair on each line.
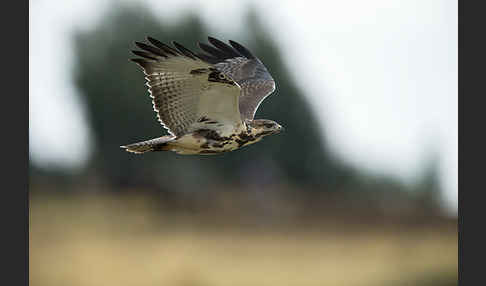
[140,62]
[143,54]
[152,40]
[242,50]
[167,49]
[139,44]
[225,48]
[217,53]
[185,51]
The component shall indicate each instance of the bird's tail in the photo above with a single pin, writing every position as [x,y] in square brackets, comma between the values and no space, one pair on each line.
[156,144]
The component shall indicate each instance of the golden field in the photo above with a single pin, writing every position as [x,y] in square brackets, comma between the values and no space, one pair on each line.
[108,240]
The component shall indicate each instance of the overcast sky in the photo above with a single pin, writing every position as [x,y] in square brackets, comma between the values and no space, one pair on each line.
[382,76]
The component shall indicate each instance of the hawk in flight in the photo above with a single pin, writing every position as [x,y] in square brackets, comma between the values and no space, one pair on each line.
[206,100]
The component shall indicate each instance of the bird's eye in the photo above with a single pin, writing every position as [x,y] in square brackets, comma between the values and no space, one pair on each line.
[268,125]
[221,76]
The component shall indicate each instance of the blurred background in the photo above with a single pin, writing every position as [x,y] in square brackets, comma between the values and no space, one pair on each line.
[361,189]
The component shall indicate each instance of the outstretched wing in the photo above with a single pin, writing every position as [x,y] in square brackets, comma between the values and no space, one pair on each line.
[186,89]
[247,70]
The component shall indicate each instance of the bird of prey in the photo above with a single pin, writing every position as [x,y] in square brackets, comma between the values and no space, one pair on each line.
[207,100]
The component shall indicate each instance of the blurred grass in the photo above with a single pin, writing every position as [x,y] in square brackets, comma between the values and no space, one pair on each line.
[126,240]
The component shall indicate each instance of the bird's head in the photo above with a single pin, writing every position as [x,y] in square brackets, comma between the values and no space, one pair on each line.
[264,127]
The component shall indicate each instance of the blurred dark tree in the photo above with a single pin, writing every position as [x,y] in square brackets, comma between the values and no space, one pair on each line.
[427,188]
[120,112]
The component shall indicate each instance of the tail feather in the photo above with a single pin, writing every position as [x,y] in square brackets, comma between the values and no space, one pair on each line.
[156,144]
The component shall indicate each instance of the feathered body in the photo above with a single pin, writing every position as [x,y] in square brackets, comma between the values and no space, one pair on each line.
[206,101]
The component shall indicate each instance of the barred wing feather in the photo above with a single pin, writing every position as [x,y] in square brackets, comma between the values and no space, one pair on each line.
[178,84]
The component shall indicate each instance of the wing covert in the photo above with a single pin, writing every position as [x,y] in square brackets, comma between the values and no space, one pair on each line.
[243,67]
